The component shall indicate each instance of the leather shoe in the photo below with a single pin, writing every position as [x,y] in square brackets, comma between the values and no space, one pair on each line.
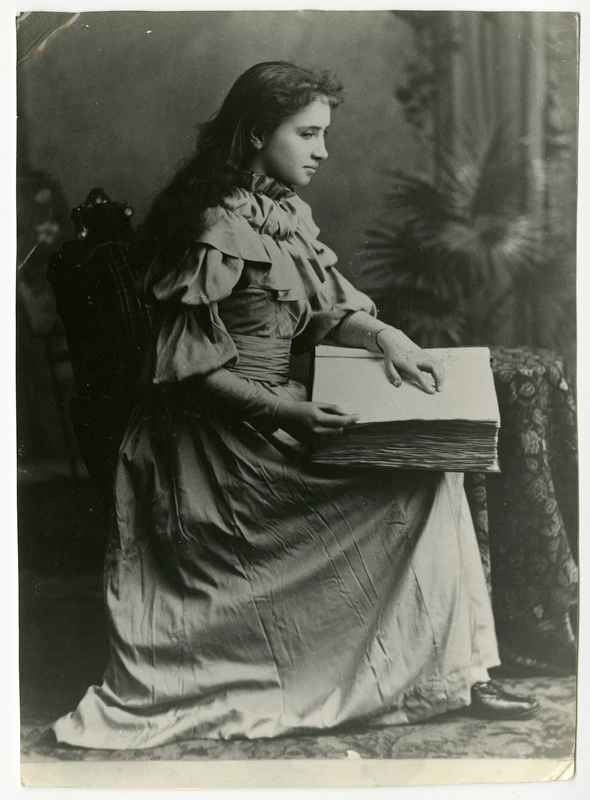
[491,702]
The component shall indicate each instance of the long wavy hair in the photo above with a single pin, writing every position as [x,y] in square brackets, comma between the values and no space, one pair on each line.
[261,98]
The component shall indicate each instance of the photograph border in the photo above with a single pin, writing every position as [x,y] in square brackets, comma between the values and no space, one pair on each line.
[304,774]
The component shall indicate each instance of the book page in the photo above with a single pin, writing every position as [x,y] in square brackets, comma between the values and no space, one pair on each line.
[355,379]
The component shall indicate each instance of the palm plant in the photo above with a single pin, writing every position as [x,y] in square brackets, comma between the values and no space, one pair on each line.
[449,252]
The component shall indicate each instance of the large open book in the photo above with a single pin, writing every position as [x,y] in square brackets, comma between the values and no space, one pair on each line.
[452,430]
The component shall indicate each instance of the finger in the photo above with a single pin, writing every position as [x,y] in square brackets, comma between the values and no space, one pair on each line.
[392,373]
[327,432]
[332,422]
[437,371]
[423,380]
[351,419]
[330,408]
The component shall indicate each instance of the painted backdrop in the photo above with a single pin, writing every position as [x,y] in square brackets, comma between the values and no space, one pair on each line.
[112,100]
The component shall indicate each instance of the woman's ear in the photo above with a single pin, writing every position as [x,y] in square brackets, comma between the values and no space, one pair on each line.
[256,138]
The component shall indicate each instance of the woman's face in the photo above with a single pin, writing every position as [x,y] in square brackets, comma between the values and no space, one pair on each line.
[292,153]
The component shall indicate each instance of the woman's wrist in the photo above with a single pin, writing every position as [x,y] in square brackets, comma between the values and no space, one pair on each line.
[359,329]
[283,411]
[378,337]
[394,338]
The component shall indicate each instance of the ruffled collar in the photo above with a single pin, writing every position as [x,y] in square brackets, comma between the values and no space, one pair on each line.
[289,258]
[262,184]
[269,207]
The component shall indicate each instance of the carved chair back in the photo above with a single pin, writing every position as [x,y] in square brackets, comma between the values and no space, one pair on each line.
[107,327]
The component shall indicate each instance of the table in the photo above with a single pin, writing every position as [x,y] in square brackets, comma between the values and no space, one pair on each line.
[526,517]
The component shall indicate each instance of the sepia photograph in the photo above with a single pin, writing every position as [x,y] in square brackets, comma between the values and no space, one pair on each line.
[296,352]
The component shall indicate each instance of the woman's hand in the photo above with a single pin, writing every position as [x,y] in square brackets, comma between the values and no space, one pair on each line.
[308,420]
[405,359]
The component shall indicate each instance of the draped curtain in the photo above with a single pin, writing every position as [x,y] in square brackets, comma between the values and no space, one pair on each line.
[521,68]
[474,71]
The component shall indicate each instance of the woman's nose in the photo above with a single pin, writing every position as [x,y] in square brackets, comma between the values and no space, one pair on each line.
[319,150]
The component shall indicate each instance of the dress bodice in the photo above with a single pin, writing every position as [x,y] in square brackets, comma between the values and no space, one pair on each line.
[256,269]
[252,311]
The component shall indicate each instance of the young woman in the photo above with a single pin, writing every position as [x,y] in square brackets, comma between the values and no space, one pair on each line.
[249,594]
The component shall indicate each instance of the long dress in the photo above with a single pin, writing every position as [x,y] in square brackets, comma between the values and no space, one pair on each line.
[248,593]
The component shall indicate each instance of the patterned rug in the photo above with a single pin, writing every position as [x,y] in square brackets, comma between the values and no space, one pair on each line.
[549,735]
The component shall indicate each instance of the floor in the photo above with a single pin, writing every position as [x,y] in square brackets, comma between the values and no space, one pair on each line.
[64,649]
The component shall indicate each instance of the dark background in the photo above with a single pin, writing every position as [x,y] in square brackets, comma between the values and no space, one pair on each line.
[114,98]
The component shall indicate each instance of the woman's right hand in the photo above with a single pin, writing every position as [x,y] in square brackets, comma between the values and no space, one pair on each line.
[308,420]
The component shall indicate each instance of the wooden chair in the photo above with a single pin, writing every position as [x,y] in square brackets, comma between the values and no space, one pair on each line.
[107,327]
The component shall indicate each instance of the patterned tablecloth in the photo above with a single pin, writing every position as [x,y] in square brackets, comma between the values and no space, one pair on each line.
[526,518]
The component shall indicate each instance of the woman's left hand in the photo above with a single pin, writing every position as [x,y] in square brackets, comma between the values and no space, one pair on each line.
[404,359]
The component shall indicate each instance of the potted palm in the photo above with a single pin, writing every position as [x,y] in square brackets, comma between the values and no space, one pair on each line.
[451,253]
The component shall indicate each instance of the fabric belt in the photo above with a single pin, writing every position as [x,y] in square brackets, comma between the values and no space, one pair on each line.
[261,358]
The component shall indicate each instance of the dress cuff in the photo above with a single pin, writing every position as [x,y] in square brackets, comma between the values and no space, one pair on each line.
[359,329]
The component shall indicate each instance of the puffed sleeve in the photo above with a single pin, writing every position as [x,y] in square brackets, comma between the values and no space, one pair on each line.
[336,299]
[192,339]
[193,347]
